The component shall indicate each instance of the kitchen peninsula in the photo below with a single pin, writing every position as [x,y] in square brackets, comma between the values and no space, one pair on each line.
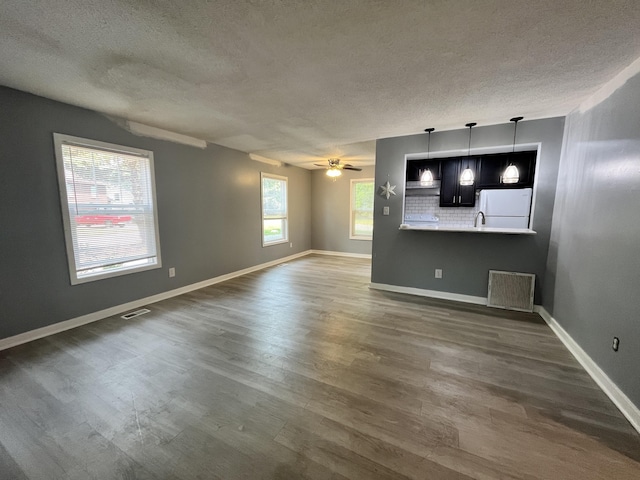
[439,228]
[407,258]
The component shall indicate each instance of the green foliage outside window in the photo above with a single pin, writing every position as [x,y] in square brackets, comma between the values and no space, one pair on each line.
[362,208]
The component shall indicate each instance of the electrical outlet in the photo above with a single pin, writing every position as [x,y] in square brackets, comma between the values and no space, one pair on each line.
[616,344]
[291,245]
[172,272]
[385,210]
[438,273]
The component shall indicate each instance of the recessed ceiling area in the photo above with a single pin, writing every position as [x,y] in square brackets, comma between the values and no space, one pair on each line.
[303,81]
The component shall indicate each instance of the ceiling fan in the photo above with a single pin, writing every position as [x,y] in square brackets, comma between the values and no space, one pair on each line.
[335,167]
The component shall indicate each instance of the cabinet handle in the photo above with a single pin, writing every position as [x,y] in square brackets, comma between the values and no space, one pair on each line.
[459,198]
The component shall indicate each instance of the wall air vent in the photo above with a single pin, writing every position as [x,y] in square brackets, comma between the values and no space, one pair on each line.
[511,290]
[137,313]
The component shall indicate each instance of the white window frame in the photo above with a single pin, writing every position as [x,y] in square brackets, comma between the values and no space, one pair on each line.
[61,139]
[265,243]
[352,224]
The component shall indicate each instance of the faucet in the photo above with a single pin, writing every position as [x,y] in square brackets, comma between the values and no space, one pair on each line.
[475,221]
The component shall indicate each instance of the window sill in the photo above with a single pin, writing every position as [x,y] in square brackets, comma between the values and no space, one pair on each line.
[277,242]
[360,238]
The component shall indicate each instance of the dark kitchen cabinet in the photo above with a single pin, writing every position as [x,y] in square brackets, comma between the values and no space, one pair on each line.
[416,167]
[452,194]
[491,168]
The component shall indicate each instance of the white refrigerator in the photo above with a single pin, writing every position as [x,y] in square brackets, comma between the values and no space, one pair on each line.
[509,208]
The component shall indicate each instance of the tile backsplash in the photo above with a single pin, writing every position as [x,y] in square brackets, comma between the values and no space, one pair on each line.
[449,216]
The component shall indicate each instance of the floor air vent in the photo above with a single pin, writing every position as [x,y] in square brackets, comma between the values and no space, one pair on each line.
[137,313]
[511,291]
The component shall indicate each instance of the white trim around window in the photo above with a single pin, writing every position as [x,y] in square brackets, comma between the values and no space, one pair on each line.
[361,214]
[274,200]
[109,212]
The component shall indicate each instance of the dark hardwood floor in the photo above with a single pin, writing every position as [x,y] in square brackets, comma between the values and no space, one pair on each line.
[301,372]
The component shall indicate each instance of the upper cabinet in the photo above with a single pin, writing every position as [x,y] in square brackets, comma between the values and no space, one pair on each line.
[419,171]
[452,194]
[492,168]
[441,176]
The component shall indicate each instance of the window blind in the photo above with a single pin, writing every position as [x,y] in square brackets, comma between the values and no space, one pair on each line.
[110,202]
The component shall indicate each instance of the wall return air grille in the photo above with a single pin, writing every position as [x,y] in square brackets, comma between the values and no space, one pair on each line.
[511,290]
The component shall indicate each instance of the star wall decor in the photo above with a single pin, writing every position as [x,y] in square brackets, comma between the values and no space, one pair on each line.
[387,190]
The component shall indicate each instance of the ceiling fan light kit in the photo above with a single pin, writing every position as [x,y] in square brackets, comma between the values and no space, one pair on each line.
[335,168]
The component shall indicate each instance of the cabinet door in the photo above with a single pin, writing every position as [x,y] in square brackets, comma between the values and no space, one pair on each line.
[413,171]
[449,184]
[467,193]
[416,167]
[452,194]
[492,167]
[526,163]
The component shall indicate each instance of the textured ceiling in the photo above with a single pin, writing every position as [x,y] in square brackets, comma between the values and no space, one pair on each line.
[300,81]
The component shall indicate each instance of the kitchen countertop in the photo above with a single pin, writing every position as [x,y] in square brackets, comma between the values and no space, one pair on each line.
[439,228]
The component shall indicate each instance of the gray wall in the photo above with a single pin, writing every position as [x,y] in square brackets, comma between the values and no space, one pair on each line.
[330,212]
[208,212]
[409,258]
[594,257]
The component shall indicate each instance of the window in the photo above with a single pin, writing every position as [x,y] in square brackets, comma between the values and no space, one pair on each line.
[109,208]
[274,209]
[361,221]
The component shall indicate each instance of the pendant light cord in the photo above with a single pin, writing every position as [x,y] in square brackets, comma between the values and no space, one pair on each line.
[515,120]
[429,130]
[470,125]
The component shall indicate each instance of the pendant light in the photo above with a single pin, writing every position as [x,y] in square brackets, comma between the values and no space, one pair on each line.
[426,177]
[467,178]
[511,174]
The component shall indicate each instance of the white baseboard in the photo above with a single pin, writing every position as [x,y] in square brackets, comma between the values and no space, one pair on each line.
[458,297]
[125,307]
[341,254]
[617,396]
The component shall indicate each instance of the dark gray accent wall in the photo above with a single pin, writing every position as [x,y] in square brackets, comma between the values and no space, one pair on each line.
[409,258]
[594,257]
[208,211]
[330,212]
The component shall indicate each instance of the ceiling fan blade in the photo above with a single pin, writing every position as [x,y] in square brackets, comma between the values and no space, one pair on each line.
[351,167]
[320,165]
